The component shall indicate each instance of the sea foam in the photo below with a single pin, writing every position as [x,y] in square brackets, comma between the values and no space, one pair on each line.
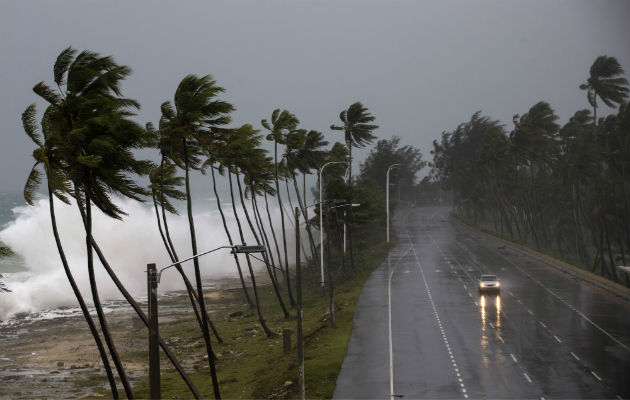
[128,245]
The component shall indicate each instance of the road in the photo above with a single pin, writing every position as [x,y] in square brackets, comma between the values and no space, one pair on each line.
[421,331]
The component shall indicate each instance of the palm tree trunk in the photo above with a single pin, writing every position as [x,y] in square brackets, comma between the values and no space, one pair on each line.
[284,234]
[263,232]
[249,262]
[303,209]
[136,307]
[192,295]
[202,303]
[227,232]
[266,260]
[97,303]
[273,233]
[286,181]
[79,296]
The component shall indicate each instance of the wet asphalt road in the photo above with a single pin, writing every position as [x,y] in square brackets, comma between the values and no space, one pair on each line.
[421,331]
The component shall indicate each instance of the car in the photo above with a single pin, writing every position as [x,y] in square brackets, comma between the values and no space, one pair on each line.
[488,284]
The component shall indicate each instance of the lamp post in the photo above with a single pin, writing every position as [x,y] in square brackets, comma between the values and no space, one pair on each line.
[321,220]
[345,180]
[387,195]
[153,280]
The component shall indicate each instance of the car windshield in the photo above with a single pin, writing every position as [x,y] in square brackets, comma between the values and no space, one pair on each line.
[488,278]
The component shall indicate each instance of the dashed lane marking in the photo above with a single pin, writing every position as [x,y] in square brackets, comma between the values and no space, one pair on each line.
[542,324]
[530,312]
[596,376]
[426,285]
[513,358]
[575,356]
[557,338]
[527,377]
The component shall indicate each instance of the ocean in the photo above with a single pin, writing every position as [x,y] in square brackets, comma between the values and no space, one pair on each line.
[35,275]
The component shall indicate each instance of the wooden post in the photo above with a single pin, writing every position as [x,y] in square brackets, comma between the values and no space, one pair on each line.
[298,273]
[286,340]
[154,344]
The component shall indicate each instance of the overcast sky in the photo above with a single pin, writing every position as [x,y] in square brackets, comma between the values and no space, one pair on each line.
[421,67]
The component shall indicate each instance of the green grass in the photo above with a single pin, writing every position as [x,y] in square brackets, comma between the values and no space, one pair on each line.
[250,365]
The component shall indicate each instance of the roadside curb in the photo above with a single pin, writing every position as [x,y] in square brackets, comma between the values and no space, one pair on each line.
[589,277]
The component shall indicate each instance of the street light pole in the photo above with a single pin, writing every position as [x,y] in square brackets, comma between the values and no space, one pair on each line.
[321,220]
[345,179]
[387,196]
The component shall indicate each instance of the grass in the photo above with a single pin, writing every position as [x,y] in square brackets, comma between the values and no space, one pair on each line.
[249,364]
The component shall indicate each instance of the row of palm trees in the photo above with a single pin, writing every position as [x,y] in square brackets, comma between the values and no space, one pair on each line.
[562,188]
[86,146]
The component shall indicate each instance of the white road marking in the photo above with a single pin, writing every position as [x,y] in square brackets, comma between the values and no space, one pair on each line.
[527,377]
[513,358]
[491,325]
[542,324]
[426,285]
[530,312]
[574,356]
[596,376]
[389,299]
[501,339]
[557,338]
[570,306]
[465,287]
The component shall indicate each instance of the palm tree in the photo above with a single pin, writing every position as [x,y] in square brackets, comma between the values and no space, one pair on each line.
[305,156]
[606,81]
[190,125]
[210,163]
[164,185]
[254,165]
[282,122]
[357,128]
[240,147]
[357,133]
[57,186]
[97,139]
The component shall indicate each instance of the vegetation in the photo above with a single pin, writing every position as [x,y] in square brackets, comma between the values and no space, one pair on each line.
[87,151]
[562,189]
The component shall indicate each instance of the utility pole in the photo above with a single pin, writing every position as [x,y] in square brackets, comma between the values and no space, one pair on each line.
[154,343]
[298,278]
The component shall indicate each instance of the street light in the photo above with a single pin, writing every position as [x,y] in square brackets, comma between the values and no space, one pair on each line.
[153,277]
[345,180]
[387,195]
[321,219]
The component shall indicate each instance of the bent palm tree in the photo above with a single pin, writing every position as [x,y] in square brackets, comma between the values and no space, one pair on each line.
[606,81]
[356,127]
[96,144]
[57,186]
[189,126]
[282,122]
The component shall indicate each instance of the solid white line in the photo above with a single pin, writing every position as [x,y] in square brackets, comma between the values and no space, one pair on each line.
[574,356]
[570,306]
[595,375]
[527,377]
[389,300]
[513,358]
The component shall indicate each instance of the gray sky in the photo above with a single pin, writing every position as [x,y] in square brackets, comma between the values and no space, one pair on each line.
[421,67]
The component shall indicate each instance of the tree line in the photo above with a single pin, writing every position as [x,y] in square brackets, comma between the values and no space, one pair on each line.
[86,150]
[563,188]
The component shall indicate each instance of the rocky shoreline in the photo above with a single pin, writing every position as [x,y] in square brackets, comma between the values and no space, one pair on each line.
[57,358]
